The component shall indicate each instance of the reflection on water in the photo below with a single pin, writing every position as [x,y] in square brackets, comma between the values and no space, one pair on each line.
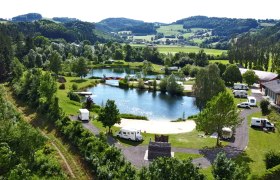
[154,105]
[116,72]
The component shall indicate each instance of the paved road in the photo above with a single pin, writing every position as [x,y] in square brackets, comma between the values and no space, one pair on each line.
[135,154]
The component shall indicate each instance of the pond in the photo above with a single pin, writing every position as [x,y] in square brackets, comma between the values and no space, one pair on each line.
[154,105]
[116,72]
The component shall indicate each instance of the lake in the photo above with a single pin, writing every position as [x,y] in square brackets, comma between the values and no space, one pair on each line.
[116,72]
[154,105]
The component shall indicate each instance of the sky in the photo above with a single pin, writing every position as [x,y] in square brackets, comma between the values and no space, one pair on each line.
[146,10]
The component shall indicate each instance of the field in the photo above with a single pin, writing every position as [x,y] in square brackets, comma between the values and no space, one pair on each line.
[174,49]
[170,30]
[219,61]
[147,38]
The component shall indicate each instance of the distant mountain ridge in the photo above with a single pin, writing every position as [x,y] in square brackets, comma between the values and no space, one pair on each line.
[27,17]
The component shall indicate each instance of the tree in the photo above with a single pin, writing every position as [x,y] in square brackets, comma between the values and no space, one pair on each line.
[250,77]
[173,87]
[207,85]
[80,67]
[220,112]
[109,115]
[163,85]
[55,62]
[232,75]
[172,169]
[201,59]
[6,55]
[264,106]
[141,84]
[224,168]
[147,67]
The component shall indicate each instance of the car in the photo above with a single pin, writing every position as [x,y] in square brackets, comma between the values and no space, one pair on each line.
[244,105]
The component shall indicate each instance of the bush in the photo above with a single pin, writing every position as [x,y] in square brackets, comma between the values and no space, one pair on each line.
[132,116]
[74,87]
[73,96]
[264,106]
[123,83]
[62,86]
[272,159]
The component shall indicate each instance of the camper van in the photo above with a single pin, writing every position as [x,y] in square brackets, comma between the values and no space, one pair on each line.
[238,86]
[252,101]
[227,133]
[130,134]
[83,115]
[261,122]
[240,93]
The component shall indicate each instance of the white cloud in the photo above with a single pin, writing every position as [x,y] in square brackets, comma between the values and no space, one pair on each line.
[147,10]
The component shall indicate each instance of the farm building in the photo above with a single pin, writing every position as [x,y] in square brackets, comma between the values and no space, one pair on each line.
[272,90]
[264,76]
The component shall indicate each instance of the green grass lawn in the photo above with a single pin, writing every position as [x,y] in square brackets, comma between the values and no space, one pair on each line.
[71,107]
[185,156]
[219,61]
[260,142]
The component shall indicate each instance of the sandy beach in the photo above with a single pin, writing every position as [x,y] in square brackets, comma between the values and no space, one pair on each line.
[158,127]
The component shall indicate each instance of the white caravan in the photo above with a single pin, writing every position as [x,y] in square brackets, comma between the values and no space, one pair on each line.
[227,133]
[252,101]
[83,115]
[238,86]
[261,122]
[240,93]
[130,134]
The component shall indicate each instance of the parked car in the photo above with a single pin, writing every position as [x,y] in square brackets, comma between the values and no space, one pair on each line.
[130,134]
[262,122]
[243,105]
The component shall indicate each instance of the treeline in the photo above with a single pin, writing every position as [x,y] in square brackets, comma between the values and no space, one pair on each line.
[24,152]
[73,31]
[254,50]
[27,17]
[220,26]
[143,29]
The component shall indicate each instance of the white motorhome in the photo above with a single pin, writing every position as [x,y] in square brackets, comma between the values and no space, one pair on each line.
[252,101]
[240,93]
[227,133]
[238,86]
[130,134]
[83,115]
[261,122]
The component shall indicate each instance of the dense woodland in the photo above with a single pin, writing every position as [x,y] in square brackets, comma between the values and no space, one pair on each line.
[254,50]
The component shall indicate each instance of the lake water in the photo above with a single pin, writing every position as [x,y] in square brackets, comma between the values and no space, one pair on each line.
[115,72]
[154,105]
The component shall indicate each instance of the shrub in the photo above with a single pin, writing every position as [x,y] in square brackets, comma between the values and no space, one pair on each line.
[123,83]
[272,159]
[264,106]
[74,87]
[132,116]
[62,86]
[73,96]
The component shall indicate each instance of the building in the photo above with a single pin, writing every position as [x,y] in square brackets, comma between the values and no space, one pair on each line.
[264,76]
[272,90]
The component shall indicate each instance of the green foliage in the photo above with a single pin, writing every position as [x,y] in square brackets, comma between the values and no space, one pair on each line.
[250,77]
[171,168]
[141,84]
[74,87]
[109,115]
[173,87]
[219,112]
[271,174]
[6,52]
[55,62]
[62,86]
[73,96]
[224,168]
[80,67]
[207,85]
[163,85]
[272,159]
[264,106]
[232,75]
